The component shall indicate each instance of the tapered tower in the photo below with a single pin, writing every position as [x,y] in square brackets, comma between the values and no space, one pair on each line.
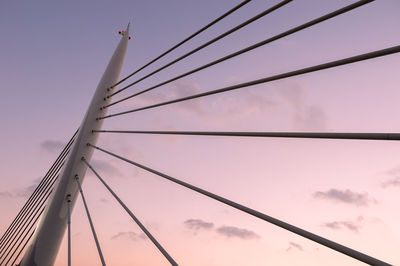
[45,243]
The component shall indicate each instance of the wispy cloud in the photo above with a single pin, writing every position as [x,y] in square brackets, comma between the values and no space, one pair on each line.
[178,89]
[186,87]
[27,191]
[105,167]
[129,235]
[342,224]
[6,194]
[394,182]
[77,234]
[241,104]
[22,192]
[353,226]
[293,245]
[245,104]
[305,116]
[395,171]
[198,224]
[103,200]
[232,231]
[345,196]
[52,145]
[311,117]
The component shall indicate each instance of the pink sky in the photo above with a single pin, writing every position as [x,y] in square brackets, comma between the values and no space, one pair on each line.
[346,191]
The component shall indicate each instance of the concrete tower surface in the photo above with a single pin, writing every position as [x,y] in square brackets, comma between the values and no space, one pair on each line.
[45,243]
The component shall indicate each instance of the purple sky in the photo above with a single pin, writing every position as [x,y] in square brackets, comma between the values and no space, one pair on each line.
[53,54]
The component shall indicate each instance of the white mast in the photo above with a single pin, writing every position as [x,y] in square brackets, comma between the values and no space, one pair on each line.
[43,248]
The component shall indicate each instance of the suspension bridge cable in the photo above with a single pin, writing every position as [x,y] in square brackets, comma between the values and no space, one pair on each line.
[21,217]
[33,211]
[349,60]
[36,191]
[313,135]
[25,222]
[37,214]
[34,202]
[26,206]
[262,14]
[45,190]
[69,227]
[90,222]
[148,234]
[316,238]
[22,240]
[23,247]
[25,225]
[254,46]
[39,193]
[184,41]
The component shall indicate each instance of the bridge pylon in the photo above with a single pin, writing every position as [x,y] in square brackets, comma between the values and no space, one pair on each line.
[45,243]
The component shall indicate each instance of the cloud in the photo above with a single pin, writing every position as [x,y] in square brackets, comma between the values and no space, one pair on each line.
[293,245]
[26,192]
[395,171]
[232,231]
[311,117]
[22,192]
[103,200]
[394,182]
[177,89]
[183,88]
[244,103]
[229,231]
[353,226]
[52,145]
[340,224]
[198,224]
[104,167]
[129,235]
[6,194]
[305,116]
[345,196]
[241,104]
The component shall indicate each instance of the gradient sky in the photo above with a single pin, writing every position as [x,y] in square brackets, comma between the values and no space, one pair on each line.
[53,54]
